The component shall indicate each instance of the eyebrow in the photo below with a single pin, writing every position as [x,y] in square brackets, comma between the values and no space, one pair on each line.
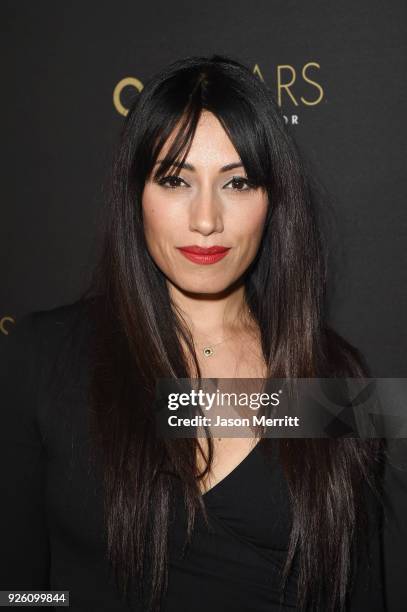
[188,166]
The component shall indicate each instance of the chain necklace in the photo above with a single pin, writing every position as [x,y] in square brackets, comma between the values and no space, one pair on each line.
[208,349]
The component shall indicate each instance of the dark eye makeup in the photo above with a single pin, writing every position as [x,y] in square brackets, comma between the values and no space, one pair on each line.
[173,181]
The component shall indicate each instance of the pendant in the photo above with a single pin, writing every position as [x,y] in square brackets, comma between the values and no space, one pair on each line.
[208,351]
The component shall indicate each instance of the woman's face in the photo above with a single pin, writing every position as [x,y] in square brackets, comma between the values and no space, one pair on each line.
[205,206]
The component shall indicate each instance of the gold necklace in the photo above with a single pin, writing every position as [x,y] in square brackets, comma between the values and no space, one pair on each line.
[208,349]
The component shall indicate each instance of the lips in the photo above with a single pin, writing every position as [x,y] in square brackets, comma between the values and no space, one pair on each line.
[197,250]
[204,255]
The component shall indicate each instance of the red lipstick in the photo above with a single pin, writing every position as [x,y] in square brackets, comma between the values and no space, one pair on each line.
[204,255]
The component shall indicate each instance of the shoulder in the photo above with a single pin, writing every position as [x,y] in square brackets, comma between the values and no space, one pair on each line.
[43,361]
[41,340]
[46,327]
[61,319]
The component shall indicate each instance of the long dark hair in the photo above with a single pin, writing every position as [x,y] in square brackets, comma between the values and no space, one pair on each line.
[138,331]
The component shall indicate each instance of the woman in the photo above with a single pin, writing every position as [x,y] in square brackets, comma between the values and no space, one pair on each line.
[204,161]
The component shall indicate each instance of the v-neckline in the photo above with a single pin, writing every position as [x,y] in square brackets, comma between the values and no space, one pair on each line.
[231,473]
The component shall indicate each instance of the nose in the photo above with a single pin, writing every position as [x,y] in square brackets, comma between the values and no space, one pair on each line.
[206,215]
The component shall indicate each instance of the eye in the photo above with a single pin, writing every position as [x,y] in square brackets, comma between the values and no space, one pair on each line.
[170,181]
[239,183]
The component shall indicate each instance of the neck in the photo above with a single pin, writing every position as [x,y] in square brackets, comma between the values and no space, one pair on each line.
[212,315]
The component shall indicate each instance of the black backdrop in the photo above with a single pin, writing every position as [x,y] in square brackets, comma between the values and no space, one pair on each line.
[336,69]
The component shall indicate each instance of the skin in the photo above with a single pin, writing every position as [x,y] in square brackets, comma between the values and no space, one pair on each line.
[206,207]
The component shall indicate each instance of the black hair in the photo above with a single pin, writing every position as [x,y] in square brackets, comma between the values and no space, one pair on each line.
[139,331]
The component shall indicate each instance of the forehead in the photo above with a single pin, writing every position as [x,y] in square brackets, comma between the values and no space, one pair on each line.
[210,144]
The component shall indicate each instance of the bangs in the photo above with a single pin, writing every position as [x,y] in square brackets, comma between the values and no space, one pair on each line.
[237,117]
[184,130]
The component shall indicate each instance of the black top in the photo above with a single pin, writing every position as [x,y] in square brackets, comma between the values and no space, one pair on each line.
[51,520]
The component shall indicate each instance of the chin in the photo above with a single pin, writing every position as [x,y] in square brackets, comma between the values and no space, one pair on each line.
[201,286]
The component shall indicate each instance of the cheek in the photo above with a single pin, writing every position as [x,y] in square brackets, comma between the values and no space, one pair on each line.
[159,219]
[152,222]
[250,223]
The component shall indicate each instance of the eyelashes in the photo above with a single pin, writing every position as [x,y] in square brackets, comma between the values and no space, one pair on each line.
[240,184]
[170,181]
